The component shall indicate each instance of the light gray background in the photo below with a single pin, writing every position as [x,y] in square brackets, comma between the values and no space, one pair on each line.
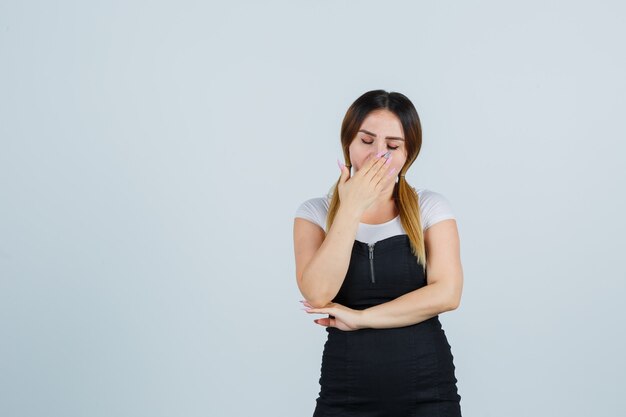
[153,155]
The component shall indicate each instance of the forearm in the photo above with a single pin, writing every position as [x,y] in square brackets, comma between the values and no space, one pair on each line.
[410,308]
[324,275]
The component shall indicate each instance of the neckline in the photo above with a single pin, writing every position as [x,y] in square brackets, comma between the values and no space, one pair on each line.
[379,224]
[382,244]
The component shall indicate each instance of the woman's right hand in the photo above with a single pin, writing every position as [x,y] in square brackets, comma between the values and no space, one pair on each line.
[364,187]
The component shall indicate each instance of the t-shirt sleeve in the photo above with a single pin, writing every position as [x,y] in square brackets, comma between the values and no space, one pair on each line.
[313,210]
[434,208]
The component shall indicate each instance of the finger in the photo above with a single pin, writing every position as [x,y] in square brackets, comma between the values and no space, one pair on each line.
[344,171]
[316,310]
[327,321]
[329,311]
[345,174]
[377,167]
[385,174]
[370,161]
[390,176]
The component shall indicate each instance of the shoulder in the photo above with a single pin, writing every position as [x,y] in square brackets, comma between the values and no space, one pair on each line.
[434,207]
[314,209]
[316,203]
[428,196]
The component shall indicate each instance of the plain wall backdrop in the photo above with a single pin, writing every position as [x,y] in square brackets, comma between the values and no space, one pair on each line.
[153,154]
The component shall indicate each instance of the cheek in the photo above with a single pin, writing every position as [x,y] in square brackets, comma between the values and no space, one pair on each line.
[398,160]
[358,156]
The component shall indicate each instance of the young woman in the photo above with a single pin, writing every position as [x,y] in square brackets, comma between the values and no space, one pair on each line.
[382,260]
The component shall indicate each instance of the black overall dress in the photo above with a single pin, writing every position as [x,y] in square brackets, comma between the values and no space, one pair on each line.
[395,372]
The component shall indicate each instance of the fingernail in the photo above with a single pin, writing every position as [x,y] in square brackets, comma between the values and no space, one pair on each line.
[379,154]
[387,154]
[391,171]
[388,160]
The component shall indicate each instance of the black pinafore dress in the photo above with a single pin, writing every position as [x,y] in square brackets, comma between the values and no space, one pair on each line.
[396,372]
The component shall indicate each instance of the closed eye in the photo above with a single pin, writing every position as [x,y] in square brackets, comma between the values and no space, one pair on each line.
[390,147]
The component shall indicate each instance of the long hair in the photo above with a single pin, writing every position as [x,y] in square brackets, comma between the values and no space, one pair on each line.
[405,196]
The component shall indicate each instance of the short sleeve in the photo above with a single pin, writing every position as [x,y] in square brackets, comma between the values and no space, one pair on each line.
[313,210]
[434,208]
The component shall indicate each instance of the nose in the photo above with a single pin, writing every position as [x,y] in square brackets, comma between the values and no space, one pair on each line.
[380,152]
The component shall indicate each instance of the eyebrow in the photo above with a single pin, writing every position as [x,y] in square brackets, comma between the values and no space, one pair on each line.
[388,137]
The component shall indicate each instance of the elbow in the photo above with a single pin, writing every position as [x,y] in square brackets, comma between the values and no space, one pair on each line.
[319,302]
[453,300]
[453,304]
[315,296]
[454,290]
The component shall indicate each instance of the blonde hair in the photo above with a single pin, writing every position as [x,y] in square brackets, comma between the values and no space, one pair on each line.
[405,196]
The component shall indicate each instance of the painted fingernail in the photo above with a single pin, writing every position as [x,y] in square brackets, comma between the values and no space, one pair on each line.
[391,171]
[340,165]
[379,154]
[388,160]
[387,155]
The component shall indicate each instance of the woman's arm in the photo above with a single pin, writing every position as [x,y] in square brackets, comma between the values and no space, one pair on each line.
[322,260]
[445,283]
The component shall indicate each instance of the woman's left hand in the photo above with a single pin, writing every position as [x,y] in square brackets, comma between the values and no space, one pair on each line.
[345,318]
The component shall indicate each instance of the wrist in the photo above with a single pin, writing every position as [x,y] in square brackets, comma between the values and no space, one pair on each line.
[364,319]
[350,212]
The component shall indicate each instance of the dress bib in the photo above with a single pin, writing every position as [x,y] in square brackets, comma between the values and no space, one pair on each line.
[396,372]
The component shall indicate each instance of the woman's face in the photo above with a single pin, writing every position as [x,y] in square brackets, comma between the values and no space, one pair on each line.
[381,131]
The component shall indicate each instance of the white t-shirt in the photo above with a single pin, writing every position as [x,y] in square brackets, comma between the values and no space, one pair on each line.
[434,208]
